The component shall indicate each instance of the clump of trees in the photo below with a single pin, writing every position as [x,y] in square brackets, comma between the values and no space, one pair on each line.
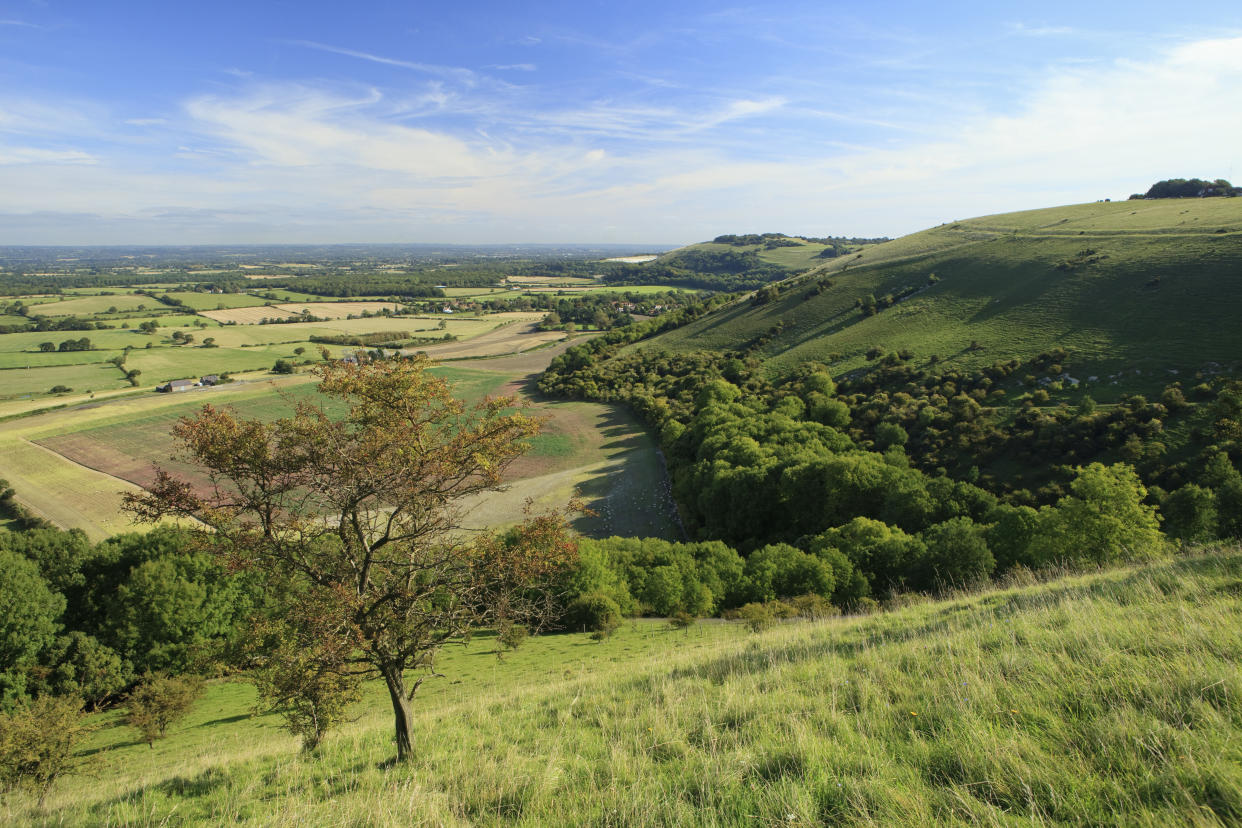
[1189,188]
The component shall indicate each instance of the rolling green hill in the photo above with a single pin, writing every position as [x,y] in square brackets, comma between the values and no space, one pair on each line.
[1137,286]
[1106,699]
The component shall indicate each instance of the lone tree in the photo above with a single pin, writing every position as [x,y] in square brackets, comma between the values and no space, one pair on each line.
[357,520]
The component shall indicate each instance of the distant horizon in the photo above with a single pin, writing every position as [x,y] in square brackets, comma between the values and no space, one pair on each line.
[244,124]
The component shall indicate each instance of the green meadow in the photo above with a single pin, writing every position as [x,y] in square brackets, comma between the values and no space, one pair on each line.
[1123,286]
[1110,698]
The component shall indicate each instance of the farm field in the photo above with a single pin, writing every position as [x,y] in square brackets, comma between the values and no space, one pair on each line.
[89,305]
[216,301]
[17,382]
[94,451]
[549,280]
[1107,698]
[238,348]
[326,310]
[71,494]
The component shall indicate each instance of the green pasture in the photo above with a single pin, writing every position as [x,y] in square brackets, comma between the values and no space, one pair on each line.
[19,382]
[805,255]
[1105,699]
[215,301]
[462,292]
[159,364]
[91,305]
[619,289]
[41,359]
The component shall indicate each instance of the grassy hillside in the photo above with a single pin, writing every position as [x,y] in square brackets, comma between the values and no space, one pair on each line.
[1104,699]
[1136,286]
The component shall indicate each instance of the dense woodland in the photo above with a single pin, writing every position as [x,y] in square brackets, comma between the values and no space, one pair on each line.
[900,478]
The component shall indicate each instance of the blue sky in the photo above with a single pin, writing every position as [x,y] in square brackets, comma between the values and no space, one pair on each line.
[643,122]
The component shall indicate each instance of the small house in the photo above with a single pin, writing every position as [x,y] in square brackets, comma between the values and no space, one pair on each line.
[210,379]
[177,385]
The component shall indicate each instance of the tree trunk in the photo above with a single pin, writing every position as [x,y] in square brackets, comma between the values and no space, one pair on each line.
[395,680]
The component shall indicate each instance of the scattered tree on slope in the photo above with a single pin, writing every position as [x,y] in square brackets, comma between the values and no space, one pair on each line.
[359,517]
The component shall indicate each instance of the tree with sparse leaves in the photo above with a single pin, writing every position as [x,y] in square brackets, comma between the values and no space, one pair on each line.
[361,517]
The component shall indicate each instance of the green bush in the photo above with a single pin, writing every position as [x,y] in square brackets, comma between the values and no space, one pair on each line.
[593,612]
[159,701]
[38,743]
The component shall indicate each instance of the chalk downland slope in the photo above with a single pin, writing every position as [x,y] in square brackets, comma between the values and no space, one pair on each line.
[1136,285]
[1106,699]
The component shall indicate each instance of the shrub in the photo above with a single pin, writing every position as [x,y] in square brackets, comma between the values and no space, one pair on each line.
[511,636]
[758,617]
[593,612]
[682,620]
[159,701]
[38,742]
[813,606]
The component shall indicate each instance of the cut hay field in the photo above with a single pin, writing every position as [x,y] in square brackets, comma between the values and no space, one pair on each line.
[245,316]
[1103,699]
[339,310]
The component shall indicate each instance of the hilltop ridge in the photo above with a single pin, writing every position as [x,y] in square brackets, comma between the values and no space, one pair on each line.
[1147,286]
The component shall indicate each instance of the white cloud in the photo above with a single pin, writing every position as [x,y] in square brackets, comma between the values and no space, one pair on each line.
[38,155]
[464,75]
[365,164]
[1040,30]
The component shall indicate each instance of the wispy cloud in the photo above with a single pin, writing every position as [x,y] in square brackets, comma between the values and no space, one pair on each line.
[514,67]
[39,155]
[1040,30]
[458,73]
[19,23]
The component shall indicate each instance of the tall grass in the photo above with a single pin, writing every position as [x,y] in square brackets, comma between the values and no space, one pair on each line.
[1108,699]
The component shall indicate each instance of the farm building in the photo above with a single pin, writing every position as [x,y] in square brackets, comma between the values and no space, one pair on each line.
[210,379]
[177,385]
